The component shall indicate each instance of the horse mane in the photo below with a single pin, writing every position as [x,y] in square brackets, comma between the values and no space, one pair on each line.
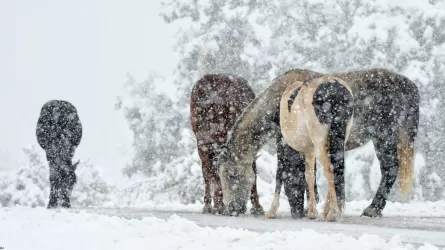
[241,121]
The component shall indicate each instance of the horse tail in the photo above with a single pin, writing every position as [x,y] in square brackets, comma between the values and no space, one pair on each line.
[405,153]
[405,140]
[333,104]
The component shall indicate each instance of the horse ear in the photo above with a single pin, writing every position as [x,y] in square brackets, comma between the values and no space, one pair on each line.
[256,157]
[223,157]
[75,165]
[230,172]
[224,154]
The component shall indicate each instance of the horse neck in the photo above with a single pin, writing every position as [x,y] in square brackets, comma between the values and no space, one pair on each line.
[257,125]
[242,141]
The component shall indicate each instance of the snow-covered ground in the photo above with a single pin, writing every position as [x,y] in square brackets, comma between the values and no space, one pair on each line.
[354,208]
[39,228]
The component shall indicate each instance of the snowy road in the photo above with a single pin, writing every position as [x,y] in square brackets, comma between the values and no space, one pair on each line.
[412,230]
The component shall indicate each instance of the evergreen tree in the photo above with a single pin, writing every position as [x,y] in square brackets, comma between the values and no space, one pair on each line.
[30,185]
[260,39]
[156,125]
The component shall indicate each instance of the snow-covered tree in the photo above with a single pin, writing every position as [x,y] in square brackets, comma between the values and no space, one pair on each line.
[163,145]
[30,185]
[156,125]
[217,37]
[260,39]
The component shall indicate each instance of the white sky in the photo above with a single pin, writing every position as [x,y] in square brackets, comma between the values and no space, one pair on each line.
[79,51]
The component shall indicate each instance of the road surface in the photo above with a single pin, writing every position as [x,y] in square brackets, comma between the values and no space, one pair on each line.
[412,230]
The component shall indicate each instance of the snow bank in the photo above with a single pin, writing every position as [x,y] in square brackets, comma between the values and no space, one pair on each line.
[48,229]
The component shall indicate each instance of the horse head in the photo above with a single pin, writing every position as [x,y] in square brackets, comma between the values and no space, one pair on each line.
[237,178]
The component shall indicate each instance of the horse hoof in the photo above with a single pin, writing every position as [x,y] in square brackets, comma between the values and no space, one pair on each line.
[312,214]
[333,215]
[207,209]
[326,211]
[270,215]
[372,212]
[257,211]
[66,205]
[297,212]
[52,204]
[221,210]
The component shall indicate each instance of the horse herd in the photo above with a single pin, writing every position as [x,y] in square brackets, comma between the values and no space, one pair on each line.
[311,115]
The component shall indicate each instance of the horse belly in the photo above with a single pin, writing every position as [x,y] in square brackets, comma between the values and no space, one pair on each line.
[295,133]
[358,136]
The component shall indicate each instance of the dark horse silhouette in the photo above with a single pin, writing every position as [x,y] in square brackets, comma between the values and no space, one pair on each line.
[217,100]
[59,132]
[386,112]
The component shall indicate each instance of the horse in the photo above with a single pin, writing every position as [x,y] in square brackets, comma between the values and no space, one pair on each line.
[386,112]
[216,101]
[315,120]
[59,132]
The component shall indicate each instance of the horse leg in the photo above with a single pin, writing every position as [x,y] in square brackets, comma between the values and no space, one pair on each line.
[206,174]
[64,196]
[54,180]
[256,209]
[317,197]
[279,177]
[386,150]
[68,176]
[68,181]
[292,176]
[218,204]
[294,181]
[276,200]
[278,183]
[310,180]
[66,203]
[331,209]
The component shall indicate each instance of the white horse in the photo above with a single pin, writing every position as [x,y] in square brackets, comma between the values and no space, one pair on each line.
[316,120]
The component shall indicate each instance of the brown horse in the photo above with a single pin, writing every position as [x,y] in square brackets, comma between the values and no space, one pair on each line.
[217,100]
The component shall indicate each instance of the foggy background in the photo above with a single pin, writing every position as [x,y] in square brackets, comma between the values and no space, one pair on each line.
[129,68]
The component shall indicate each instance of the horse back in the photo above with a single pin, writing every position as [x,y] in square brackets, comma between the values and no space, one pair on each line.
[383,98]
[216,102]
[58,125]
